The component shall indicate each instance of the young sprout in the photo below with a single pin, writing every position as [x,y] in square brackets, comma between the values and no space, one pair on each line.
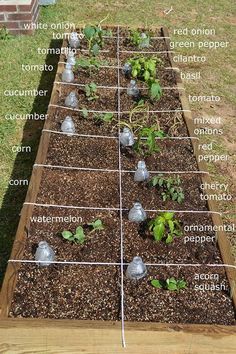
[165,227]
[85,112]
[104,118]
[89,63]
[169,284]
[95,37]
[170,187]
[146,143]
[79,236]
[91,91]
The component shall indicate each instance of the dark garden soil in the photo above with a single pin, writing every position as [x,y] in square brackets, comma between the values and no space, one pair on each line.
[83,152]
[79,188]
[93,292]
[63,291]
[86,126]
[172,156]
[100,246]
[107,98]
[150,197]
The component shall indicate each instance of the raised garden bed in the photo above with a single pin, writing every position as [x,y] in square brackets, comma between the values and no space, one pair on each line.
[89,176]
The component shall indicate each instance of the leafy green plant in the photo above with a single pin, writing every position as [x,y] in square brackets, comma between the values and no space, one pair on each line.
[94,35]
[5,34]
[146,142]
[91,91]
[137,39]
[145,69]
[90,63]
[104,118]
[169,284]
[170,187]
[79,235]
[165,227]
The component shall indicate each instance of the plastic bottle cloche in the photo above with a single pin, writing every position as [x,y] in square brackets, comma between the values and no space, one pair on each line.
[136,269]
[127,137]
[127,69]
[71,100]
[141,174]
[137,213]
[71,58]
[68,75]
[68,126]
[74,41]
[133,90]
[44,254]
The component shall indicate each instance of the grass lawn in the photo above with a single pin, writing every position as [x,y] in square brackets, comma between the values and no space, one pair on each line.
[218,77]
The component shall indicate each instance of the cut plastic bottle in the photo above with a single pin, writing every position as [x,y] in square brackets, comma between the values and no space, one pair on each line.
[71,58]
[127,69]
[74,41]
[127,137]
[68,126]
[71,100]
[137,213]
[145,43]
[133,90]
[136,269]
[44,254]
[68,75]
[141,174]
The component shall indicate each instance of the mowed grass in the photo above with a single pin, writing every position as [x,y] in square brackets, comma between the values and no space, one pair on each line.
[218,77]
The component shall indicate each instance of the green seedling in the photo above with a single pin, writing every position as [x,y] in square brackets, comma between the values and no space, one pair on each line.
[171,284]
[85,112]
[170,187]
[91,91]
[79,235]
[104,118]
[95,37]
[96,225]
[165,227]
[146,143]
[145,69]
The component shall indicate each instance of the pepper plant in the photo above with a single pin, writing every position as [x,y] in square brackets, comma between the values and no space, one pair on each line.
[79,236]
[169,284]
[145,69]
[170,187]
[104,118]
[165,227]
[146,142]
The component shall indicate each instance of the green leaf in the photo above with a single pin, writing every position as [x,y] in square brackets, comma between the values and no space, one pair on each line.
[146,75]
[168,215]
[172,286]
[95,49]
[67,234]
[169,238]
[97,224]
[171,225]
[156,283]
[156,91]
[158,231]
[181,284]
[89,32]
[85,112]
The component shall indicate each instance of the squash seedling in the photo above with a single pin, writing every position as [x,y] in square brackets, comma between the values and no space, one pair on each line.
[146,142]
[165,227]
[91,91]
[79,236]
[170,187]
[171,284]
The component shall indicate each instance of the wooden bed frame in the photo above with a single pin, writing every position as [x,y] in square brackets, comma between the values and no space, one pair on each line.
[93,337]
